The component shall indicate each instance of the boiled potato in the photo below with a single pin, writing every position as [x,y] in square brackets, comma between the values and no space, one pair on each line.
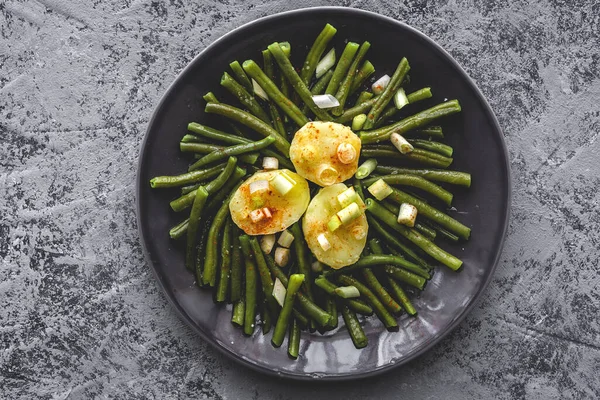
[347,242]
[325,152]
[285,210]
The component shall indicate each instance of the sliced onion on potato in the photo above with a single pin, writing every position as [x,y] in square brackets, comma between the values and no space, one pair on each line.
[284,210]
[347,242]
[325,152]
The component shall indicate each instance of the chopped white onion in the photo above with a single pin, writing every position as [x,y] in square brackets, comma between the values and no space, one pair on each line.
[267,242]
[400,99]
[326,63]
[325,101]
[282,256]
[401,144]
[380,189]
[334,223]
[267,212]
[279,291]
[358,232]
[282,183]
[258,186]
[327,175]
[256,215]
[346,153]
[270,163]
[259,91]
[317,267]
[380,84]
[347,292]
[346,197]
[285,239]
[323,242]
[407,214]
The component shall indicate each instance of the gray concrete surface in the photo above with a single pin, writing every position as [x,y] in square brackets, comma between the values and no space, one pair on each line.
[81,316]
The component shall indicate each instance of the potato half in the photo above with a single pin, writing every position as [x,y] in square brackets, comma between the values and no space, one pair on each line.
[347,242]
[325,152]
[285,210]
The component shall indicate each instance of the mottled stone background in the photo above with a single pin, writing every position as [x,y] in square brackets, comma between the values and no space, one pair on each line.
[81,315]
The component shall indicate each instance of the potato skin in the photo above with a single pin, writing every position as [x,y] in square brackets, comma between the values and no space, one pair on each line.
[345,249]
[286,210]
[315,145]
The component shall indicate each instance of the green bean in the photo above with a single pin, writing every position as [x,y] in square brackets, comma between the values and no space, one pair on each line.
[244,97]
[207,148]
[426,231]
[250,291]
[227,189]
[265,276]
[414,97]
[315,53]
[417,182]
[302,258]
[417,155]
[358,109]
[197,207]
[234,150]
[201,246]
[437,175]
[321,84]
[265,317]
[286,48]
[238,71]
[416,121]
[268,66]
[362,97]
[294,339]
[286,312]
[406,277]
[304,303]
[401,296]
[299,86]
[412,235]
[239,309]
[341,69]
[187,138]
[225,269]
[236,266]
[215,134]
[355,304]
[331,307]
[387,94]
[286,105]
[436,147]
[365,71]
[187,178]
[359,339]
[183,202]
[443,232]
[211,98]
[383,314]
[383,295]
[250,121]
[435,131]
[179,230]
[431,213]
[380,259]
[209,275]
[344,89]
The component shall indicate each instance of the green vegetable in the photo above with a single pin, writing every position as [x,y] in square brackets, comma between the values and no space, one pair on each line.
[281,327]
[359,339]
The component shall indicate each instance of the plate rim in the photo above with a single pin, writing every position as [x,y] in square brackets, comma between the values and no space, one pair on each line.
[324,377]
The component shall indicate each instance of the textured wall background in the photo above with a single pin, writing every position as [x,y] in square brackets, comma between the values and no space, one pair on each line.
[81,316]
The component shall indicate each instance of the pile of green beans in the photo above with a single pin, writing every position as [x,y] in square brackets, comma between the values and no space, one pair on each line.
[398,260]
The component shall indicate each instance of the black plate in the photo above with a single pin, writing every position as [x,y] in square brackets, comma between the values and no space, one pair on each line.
[474,133]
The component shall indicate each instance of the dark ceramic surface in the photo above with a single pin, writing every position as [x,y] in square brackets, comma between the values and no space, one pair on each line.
[484,207]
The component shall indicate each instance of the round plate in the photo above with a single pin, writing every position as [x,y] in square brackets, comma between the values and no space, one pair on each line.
[484,207]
